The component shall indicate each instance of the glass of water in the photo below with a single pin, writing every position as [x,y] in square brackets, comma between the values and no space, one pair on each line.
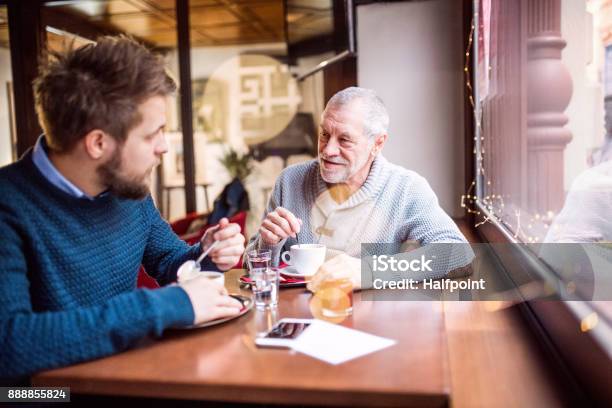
[264,279]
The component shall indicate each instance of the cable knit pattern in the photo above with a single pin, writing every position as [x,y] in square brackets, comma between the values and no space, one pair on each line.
[68,270]
[405,209]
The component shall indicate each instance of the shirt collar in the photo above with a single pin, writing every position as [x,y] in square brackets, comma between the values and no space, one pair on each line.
[50,172]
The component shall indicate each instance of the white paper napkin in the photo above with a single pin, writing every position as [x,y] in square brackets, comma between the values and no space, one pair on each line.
[336,344]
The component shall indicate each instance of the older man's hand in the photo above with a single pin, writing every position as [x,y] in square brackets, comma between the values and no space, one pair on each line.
[339,267]
[230,247]
[278,225]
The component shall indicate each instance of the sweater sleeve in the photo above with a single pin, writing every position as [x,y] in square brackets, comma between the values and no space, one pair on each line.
[437,234]
[426,221]
[165,251]
[32,340]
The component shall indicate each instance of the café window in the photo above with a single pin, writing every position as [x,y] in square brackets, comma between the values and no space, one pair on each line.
[541,93]
[543,129]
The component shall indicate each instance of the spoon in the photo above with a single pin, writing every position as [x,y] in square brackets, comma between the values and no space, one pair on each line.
[190,269]
[210,248]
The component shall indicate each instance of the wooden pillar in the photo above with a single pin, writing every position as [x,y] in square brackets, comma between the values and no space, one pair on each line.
[343,73]
[184,50]
[338,76]
[549,89]
[27,38]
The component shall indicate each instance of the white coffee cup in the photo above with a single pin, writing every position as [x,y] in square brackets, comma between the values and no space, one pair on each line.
[305,258]
[191,270]
[217,277]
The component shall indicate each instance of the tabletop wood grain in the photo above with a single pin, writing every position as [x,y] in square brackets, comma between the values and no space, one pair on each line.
[221,363]
[459,354]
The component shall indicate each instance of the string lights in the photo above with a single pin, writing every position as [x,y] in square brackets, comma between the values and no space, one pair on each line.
[470,199]
[494,203]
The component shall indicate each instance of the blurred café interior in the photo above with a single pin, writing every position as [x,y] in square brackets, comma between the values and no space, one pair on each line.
[505,107]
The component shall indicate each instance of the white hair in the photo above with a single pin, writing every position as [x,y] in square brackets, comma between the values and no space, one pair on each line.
[376,117]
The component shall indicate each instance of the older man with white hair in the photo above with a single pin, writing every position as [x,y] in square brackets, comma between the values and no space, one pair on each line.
[351,194]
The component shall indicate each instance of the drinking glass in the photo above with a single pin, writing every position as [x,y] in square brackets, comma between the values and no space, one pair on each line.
[335,297]
[265,279]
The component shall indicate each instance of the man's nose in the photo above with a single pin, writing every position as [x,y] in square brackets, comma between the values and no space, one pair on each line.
[162,146]
[331,148]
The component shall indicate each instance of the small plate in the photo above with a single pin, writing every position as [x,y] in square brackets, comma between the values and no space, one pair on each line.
[247,304]
[291,271]
[244,280]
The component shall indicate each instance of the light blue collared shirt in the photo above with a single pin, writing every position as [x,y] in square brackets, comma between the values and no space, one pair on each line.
[42,162]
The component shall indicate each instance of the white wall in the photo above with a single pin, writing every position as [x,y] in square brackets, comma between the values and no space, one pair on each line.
[5,131]
[411,55]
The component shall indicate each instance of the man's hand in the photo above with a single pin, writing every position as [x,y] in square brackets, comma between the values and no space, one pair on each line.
[338,267]
[278,225]
[209,300]
[230,247]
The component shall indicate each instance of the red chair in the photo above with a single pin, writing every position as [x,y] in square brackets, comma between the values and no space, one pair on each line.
[145,281]
[180,227]
[194,237]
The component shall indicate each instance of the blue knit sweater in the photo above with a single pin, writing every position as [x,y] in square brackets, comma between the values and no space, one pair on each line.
[68,270]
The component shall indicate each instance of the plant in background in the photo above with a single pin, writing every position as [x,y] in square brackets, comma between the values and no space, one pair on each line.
[238,166]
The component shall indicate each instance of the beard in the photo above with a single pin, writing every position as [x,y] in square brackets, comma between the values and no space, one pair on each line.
[342,174]
[123,187]
[334,176]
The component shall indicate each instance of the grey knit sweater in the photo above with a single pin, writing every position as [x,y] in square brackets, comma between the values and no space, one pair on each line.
[404,209]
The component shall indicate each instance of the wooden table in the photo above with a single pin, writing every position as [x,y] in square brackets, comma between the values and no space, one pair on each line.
[221,363]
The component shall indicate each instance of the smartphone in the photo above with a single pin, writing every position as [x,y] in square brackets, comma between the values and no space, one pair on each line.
[284,332]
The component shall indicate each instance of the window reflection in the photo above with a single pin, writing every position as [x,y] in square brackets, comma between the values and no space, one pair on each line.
[542,87]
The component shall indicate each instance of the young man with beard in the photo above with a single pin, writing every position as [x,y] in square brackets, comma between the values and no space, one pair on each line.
[352,195]
[77,220]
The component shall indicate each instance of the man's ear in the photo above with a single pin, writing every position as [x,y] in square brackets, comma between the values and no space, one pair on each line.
[379,143]
[97,143]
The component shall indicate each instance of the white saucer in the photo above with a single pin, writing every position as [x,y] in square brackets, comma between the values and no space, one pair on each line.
[291,271]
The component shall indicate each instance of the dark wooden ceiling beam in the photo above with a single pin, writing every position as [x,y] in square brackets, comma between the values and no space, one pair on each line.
[312,46]
[164,14]
[248,16]
[80,24]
